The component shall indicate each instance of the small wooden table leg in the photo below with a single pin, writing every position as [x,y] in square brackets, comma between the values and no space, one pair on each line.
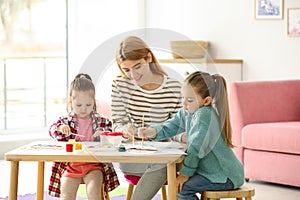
[40,181]
[14,177]
[172,190]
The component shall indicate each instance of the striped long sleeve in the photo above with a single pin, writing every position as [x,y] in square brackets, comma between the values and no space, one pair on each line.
[130,102]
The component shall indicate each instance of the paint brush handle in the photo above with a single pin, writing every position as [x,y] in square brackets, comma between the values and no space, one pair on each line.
[142,149]
[77,135]
[143,127]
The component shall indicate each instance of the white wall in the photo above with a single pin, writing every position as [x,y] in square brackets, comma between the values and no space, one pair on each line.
[233,32]
[92,22]
[229,25]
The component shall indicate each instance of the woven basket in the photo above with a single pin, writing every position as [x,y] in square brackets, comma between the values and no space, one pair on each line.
[188,48]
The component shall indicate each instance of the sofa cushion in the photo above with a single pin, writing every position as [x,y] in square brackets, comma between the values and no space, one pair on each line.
[278,137]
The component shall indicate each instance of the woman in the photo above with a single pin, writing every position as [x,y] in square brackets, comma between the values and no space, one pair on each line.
[143,95]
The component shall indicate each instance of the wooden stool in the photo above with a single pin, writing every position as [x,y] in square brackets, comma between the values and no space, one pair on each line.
[239,194]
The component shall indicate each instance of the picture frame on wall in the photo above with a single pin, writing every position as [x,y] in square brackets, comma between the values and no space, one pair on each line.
[269,9]
[293,21]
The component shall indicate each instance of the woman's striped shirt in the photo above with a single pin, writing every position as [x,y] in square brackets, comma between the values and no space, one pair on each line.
[131,103]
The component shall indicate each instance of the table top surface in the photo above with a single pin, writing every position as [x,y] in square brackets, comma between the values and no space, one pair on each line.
[150,152]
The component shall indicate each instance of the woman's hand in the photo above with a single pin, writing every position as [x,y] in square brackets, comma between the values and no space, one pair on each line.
[129,131]
[147,133]
[180,180]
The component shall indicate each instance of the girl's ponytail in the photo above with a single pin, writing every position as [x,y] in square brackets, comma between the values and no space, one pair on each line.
[220,101]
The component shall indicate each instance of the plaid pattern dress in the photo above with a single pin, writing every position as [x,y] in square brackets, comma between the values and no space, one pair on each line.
[98,123]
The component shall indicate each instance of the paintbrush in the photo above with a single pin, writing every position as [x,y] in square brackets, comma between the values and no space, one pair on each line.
[143,149]
[77,135]
[143,127]
[132,122]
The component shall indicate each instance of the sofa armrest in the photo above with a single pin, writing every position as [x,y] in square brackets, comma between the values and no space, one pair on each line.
[236,119]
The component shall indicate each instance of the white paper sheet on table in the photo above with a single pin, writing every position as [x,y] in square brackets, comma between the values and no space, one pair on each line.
[163,148]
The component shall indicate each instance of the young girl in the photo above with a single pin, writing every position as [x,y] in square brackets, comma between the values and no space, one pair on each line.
[210,163]
[84,121]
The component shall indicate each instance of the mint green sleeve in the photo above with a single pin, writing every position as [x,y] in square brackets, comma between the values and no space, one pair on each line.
[171,127]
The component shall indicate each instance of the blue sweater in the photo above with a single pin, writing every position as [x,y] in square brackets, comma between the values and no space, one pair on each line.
[207,152]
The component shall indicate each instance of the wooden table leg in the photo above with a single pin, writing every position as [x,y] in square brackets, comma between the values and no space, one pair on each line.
[172,190]
[14,177]
[40,181]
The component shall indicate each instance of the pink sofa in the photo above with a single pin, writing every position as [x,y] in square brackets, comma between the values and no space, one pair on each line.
[265,118]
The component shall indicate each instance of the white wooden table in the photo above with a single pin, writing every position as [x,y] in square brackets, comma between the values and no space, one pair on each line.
[45,151]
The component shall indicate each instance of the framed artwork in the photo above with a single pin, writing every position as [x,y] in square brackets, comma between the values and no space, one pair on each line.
[293,22]
[268,9]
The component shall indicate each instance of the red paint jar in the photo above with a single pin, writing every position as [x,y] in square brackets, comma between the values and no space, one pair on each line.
[69,147]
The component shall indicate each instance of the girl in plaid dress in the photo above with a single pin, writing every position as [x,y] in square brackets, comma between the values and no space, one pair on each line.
[82,119]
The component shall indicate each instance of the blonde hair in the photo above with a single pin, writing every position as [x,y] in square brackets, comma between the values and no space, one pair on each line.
[134,48]
[82,82]
[215,87]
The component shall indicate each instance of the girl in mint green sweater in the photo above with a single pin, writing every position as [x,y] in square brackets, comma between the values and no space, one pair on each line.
[210,163]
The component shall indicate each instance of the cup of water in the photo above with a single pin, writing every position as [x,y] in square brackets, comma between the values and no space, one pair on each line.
[111,138]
